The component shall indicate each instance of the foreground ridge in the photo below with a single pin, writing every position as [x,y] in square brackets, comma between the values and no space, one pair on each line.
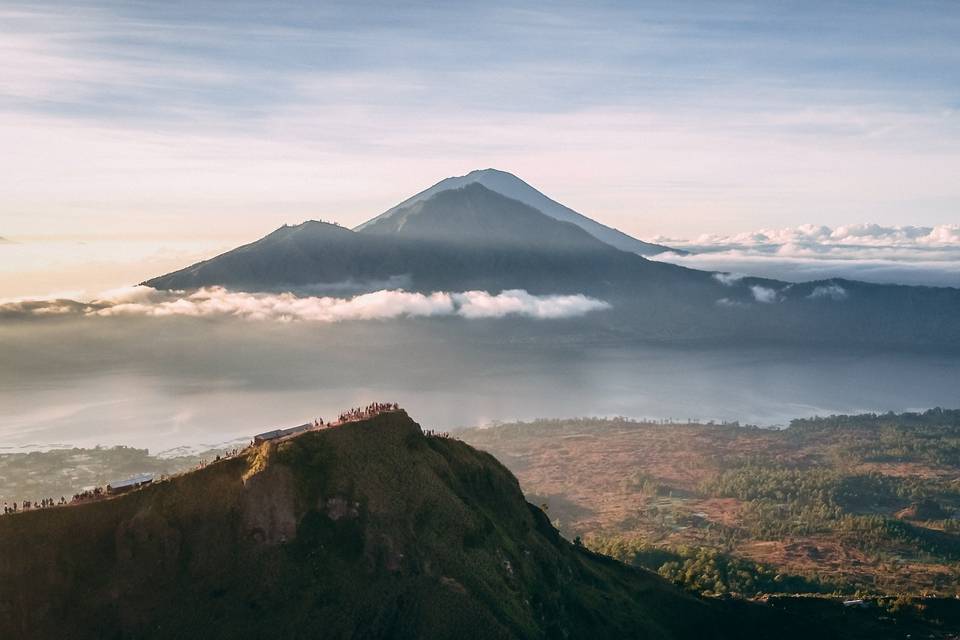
[367,529]
[371,529]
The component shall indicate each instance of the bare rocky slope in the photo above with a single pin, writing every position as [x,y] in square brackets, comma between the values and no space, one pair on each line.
[368,530]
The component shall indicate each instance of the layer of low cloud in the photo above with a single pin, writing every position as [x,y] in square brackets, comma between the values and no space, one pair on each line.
[728,279]
[216,302]
[852,235]
[831,291]
[912,255]
[756,294]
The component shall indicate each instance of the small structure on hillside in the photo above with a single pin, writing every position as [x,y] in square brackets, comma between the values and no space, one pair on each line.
[281,433]
[122,486]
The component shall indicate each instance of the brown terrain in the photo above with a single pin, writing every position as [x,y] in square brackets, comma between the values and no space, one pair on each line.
[651,483]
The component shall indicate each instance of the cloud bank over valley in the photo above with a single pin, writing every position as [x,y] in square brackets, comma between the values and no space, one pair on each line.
[913,255]
[217,302]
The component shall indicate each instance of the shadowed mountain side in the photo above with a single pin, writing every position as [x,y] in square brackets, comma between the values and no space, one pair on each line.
[368,530]
[476,216]
[513,187]
[462,239]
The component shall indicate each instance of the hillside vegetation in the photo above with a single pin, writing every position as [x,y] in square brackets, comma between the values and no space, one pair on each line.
[843,504]
[374,529]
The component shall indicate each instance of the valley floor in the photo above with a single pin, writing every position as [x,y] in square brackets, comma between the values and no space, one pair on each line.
[837,505]
[841,505]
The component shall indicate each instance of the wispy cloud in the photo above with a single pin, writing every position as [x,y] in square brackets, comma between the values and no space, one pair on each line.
[766,295]
[173,117]
[831,291]
[824,237]
[728,279]
[217,302]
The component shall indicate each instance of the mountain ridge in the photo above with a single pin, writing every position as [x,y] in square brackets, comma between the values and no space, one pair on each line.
[473,238]
[475,214]
[459,239]
[370,529]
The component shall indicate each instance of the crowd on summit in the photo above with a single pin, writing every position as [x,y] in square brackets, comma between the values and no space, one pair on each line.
[369,411]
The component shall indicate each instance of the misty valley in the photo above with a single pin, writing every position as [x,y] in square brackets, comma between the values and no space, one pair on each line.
[164,383]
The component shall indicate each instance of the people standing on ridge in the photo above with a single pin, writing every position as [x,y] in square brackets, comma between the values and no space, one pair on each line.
[369,411]
[42,503]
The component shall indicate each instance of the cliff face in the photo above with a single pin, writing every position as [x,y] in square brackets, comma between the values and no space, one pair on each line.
[368,530]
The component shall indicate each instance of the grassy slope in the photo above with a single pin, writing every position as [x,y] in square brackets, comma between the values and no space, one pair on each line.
[371,530]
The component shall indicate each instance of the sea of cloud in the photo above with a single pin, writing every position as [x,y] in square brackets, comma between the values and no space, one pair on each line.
[914,255]
[853,235]
[217,302]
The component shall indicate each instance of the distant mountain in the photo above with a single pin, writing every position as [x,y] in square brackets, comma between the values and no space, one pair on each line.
[368,530]
[309,253]
[472,238]
[513,187]
[458,239]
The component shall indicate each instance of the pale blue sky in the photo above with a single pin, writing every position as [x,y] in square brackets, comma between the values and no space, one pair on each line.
[226,119]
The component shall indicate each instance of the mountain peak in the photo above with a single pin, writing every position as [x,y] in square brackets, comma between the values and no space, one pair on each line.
[490,171]
[309,227]
[461,239]
[511,186]
[474,215]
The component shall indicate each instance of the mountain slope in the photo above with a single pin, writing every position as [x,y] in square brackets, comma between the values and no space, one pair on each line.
[459,239]
[474,215]
[309,253]
[513,187]
[472,238]
[368,530]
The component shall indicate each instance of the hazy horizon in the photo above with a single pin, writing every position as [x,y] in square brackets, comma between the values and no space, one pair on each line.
[164,382]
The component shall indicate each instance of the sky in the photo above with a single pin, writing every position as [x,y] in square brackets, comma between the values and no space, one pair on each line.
[188,127]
